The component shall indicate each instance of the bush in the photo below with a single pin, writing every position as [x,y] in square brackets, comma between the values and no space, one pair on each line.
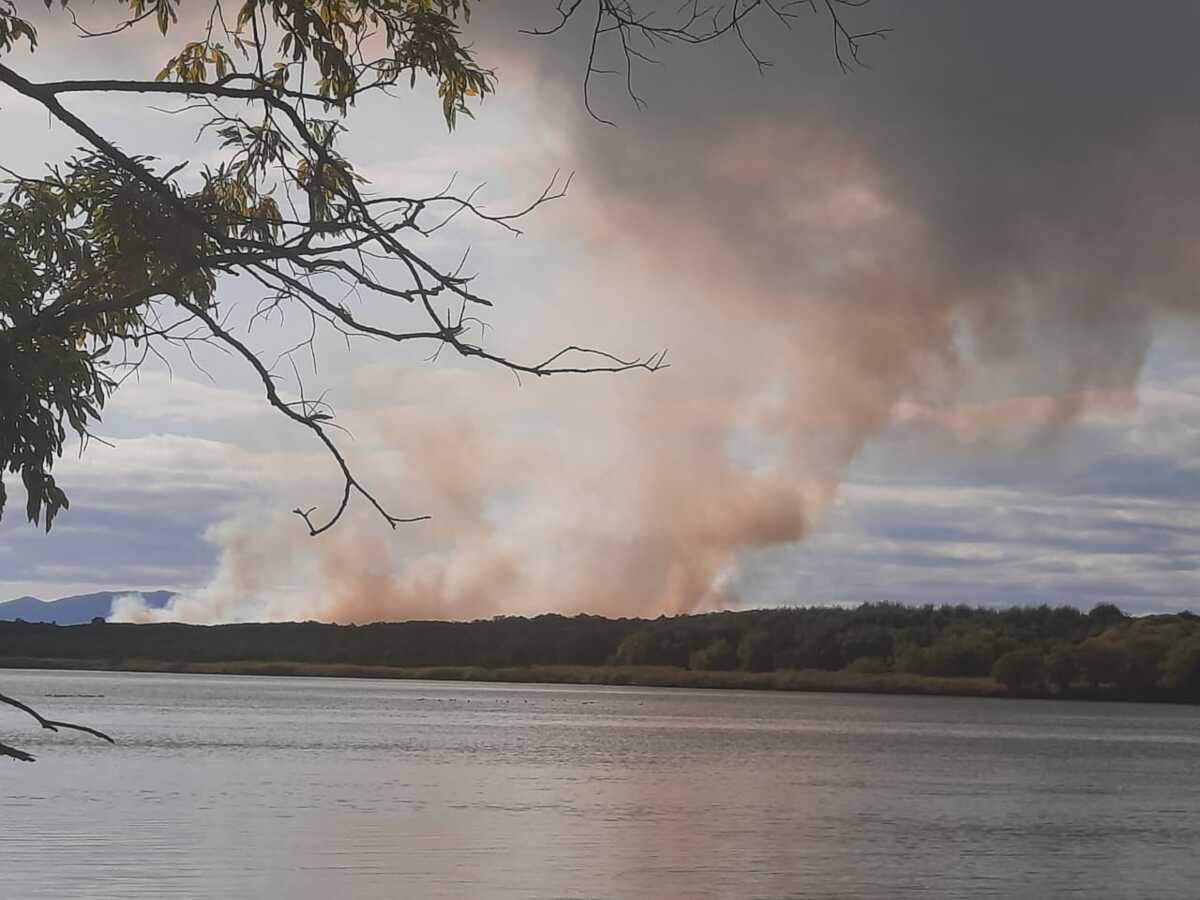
[755,652]
[1101,661]
[1019,669]
[787,659]
[867,641]
[868,665]
[653,647]
[1143,656]
[1105,615]
[1061,667]
[1181,669]
[716,657]
[952,657]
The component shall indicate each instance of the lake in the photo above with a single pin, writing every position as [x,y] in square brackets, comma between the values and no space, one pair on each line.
[255,787]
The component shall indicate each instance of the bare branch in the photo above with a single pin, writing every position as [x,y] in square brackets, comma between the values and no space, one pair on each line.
[49,724]
[311,420]
[637,34]
[14,753]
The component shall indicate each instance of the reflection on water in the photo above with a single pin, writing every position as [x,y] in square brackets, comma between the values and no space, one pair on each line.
[315,788]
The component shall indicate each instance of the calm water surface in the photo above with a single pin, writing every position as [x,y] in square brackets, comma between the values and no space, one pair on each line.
[230,787]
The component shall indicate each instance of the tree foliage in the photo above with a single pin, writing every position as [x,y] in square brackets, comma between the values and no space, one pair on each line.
[1181,668]
[1020,670]
[718,656]
[1027,649]
[108,251]
[1061,668]
[1102,660]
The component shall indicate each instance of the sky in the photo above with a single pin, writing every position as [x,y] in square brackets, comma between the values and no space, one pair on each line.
[931,326]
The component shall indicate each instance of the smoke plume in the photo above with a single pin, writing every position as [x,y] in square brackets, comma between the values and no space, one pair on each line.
[975,238]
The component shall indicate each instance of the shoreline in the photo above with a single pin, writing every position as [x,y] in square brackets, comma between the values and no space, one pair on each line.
[802,681]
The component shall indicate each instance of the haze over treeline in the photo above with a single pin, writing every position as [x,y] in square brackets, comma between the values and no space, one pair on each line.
[1029,649]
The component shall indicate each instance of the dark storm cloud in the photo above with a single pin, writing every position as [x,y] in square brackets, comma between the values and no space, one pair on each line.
[991,114]
[1048,147]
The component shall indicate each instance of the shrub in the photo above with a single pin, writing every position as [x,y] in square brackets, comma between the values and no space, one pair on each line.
[950,657]
[1143,656]
[755,652]
[868,665]
[1019,669]
[716,657]
[1181,669]
[1061,667]
[1102,661]
[1105,615]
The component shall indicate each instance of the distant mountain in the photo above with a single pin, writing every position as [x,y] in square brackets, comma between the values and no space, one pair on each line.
[76,610]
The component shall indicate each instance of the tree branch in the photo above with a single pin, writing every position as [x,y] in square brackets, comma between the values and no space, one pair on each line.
[49,724]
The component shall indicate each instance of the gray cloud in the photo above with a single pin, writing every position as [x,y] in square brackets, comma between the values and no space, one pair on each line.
[116,538]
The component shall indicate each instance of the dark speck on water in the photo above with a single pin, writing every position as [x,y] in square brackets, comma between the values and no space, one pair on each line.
[306,789]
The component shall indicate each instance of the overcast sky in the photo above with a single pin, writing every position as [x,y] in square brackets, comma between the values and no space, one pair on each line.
[931,324]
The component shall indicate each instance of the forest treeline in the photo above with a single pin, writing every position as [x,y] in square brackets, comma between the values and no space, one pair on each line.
[1030,650]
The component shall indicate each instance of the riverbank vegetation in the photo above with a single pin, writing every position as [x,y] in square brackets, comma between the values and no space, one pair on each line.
[1023,651]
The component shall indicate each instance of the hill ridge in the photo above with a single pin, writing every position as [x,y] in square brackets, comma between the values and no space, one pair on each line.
[77,609]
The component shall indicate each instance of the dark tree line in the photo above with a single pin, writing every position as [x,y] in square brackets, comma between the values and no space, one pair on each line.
[1029,649]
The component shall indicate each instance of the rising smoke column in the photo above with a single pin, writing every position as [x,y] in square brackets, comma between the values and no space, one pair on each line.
[954,240]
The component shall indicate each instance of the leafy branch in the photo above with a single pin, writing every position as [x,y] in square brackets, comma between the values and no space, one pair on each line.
[101,242]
